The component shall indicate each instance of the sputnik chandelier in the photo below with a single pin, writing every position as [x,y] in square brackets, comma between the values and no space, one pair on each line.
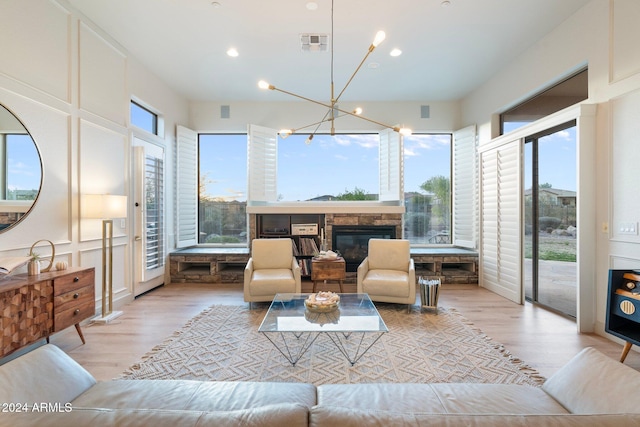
[333,109]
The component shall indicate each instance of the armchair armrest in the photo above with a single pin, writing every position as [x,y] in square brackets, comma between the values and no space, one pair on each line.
[363,268]
[297,274]
[248,272]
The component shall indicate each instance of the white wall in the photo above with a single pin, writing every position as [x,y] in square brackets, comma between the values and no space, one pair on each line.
[604,35]
[71,84]
[205,116]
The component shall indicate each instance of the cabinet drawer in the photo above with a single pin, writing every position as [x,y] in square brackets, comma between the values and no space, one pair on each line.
[628,308]
[74,298]
[73,281]
[65,318]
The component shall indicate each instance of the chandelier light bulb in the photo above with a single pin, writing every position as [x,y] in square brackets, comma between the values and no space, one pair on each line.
[284,133]
[380,36]
[357,111]
[308,140]
[405,131]
[263,85]
[232,52]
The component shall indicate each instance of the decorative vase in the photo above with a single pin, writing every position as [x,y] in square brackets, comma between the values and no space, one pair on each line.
[61,265]
[33,268]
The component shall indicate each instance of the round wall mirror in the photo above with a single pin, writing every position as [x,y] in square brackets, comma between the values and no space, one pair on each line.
[20,170]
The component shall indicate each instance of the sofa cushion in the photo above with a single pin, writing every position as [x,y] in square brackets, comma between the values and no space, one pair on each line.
[389,254]
[194,395]
[289,415]
[329,416]
[592,383]
[46,374]
[454,398]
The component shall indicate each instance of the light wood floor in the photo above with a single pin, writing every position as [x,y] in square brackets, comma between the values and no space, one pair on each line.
[542,339]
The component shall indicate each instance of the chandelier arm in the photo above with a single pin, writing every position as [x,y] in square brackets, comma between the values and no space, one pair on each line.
[301,97]
[355,72]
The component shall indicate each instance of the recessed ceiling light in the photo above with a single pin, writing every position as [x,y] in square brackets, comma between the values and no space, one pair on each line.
[445,3]
[395,52]
[215,4]
[312,5]
[232,52]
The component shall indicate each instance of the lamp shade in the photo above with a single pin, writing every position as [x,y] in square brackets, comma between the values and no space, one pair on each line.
[104,206]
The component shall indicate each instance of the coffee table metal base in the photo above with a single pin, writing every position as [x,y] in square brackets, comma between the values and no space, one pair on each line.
[352,345]
[354,327]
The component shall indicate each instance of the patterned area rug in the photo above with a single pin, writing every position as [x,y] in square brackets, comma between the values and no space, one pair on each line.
[223,344]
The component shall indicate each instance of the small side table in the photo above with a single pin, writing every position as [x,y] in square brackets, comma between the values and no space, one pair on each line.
[323,269]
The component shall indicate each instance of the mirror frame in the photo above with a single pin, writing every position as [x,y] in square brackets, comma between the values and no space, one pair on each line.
[35,201]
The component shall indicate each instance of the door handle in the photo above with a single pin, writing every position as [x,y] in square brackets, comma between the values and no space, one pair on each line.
[137,238]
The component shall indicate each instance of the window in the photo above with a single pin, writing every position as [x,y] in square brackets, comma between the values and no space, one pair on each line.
[427,185]
[338,167]
[564,94]
[222,190]
[144,118]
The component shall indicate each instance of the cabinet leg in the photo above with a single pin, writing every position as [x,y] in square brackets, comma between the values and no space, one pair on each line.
[80,332]
[625,351]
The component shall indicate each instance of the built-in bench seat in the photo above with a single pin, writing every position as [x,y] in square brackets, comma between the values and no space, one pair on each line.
[226,265]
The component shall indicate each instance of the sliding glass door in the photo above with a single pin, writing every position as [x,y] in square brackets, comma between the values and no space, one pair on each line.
[550,267]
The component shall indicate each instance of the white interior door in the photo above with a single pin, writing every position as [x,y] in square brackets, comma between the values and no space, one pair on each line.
[149,216]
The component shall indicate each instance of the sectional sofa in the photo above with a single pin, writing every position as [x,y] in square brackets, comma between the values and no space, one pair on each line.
[45,387]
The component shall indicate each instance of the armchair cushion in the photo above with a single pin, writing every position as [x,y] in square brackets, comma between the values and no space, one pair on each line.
[389,254]
[272,253]
[392,283]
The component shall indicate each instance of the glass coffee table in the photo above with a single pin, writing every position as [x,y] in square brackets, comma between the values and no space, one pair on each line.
[354,327]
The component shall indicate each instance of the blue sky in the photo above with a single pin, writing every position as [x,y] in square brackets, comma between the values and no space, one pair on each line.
[329,165]
[23,163]
[557,160]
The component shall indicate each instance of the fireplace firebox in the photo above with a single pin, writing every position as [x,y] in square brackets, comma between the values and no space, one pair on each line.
[352,241]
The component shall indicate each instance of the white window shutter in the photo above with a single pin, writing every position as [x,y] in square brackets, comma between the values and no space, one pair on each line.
[465,174]
[500,223]
[186,187]
[391,160]
[262,164]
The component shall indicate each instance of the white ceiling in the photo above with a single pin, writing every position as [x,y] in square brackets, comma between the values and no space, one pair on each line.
[447,51]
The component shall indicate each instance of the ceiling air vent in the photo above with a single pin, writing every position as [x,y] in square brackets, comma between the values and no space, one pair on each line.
[314,42]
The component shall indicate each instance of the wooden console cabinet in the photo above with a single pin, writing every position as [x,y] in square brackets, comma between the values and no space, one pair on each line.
[34,307]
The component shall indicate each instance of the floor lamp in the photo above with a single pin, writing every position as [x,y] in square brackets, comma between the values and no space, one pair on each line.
[106,207]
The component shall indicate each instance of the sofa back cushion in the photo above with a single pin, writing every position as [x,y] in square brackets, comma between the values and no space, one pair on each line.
[592,383]
[389,254]
[271,253]
[46,374]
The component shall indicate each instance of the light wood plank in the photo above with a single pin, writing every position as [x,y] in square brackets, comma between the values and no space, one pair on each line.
[544,340]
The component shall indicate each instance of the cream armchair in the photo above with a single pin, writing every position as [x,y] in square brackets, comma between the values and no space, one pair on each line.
[271,269]
[388,274]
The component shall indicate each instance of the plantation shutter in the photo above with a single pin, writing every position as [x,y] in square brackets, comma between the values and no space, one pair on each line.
[186,187]
[500,210]
[391,161]
[262,164]
[464,187]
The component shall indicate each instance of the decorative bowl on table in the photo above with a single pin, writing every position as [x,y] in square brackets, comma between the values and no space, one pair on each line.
[327,255]
[322,302]
[322,317]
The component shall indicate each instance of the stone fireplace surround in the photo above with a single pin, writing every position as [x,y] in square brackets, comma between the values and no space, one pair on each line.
[225,265]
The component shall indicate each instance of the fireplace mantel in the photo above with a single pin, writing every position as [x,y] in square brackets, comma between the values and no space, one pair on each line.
[327,208]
